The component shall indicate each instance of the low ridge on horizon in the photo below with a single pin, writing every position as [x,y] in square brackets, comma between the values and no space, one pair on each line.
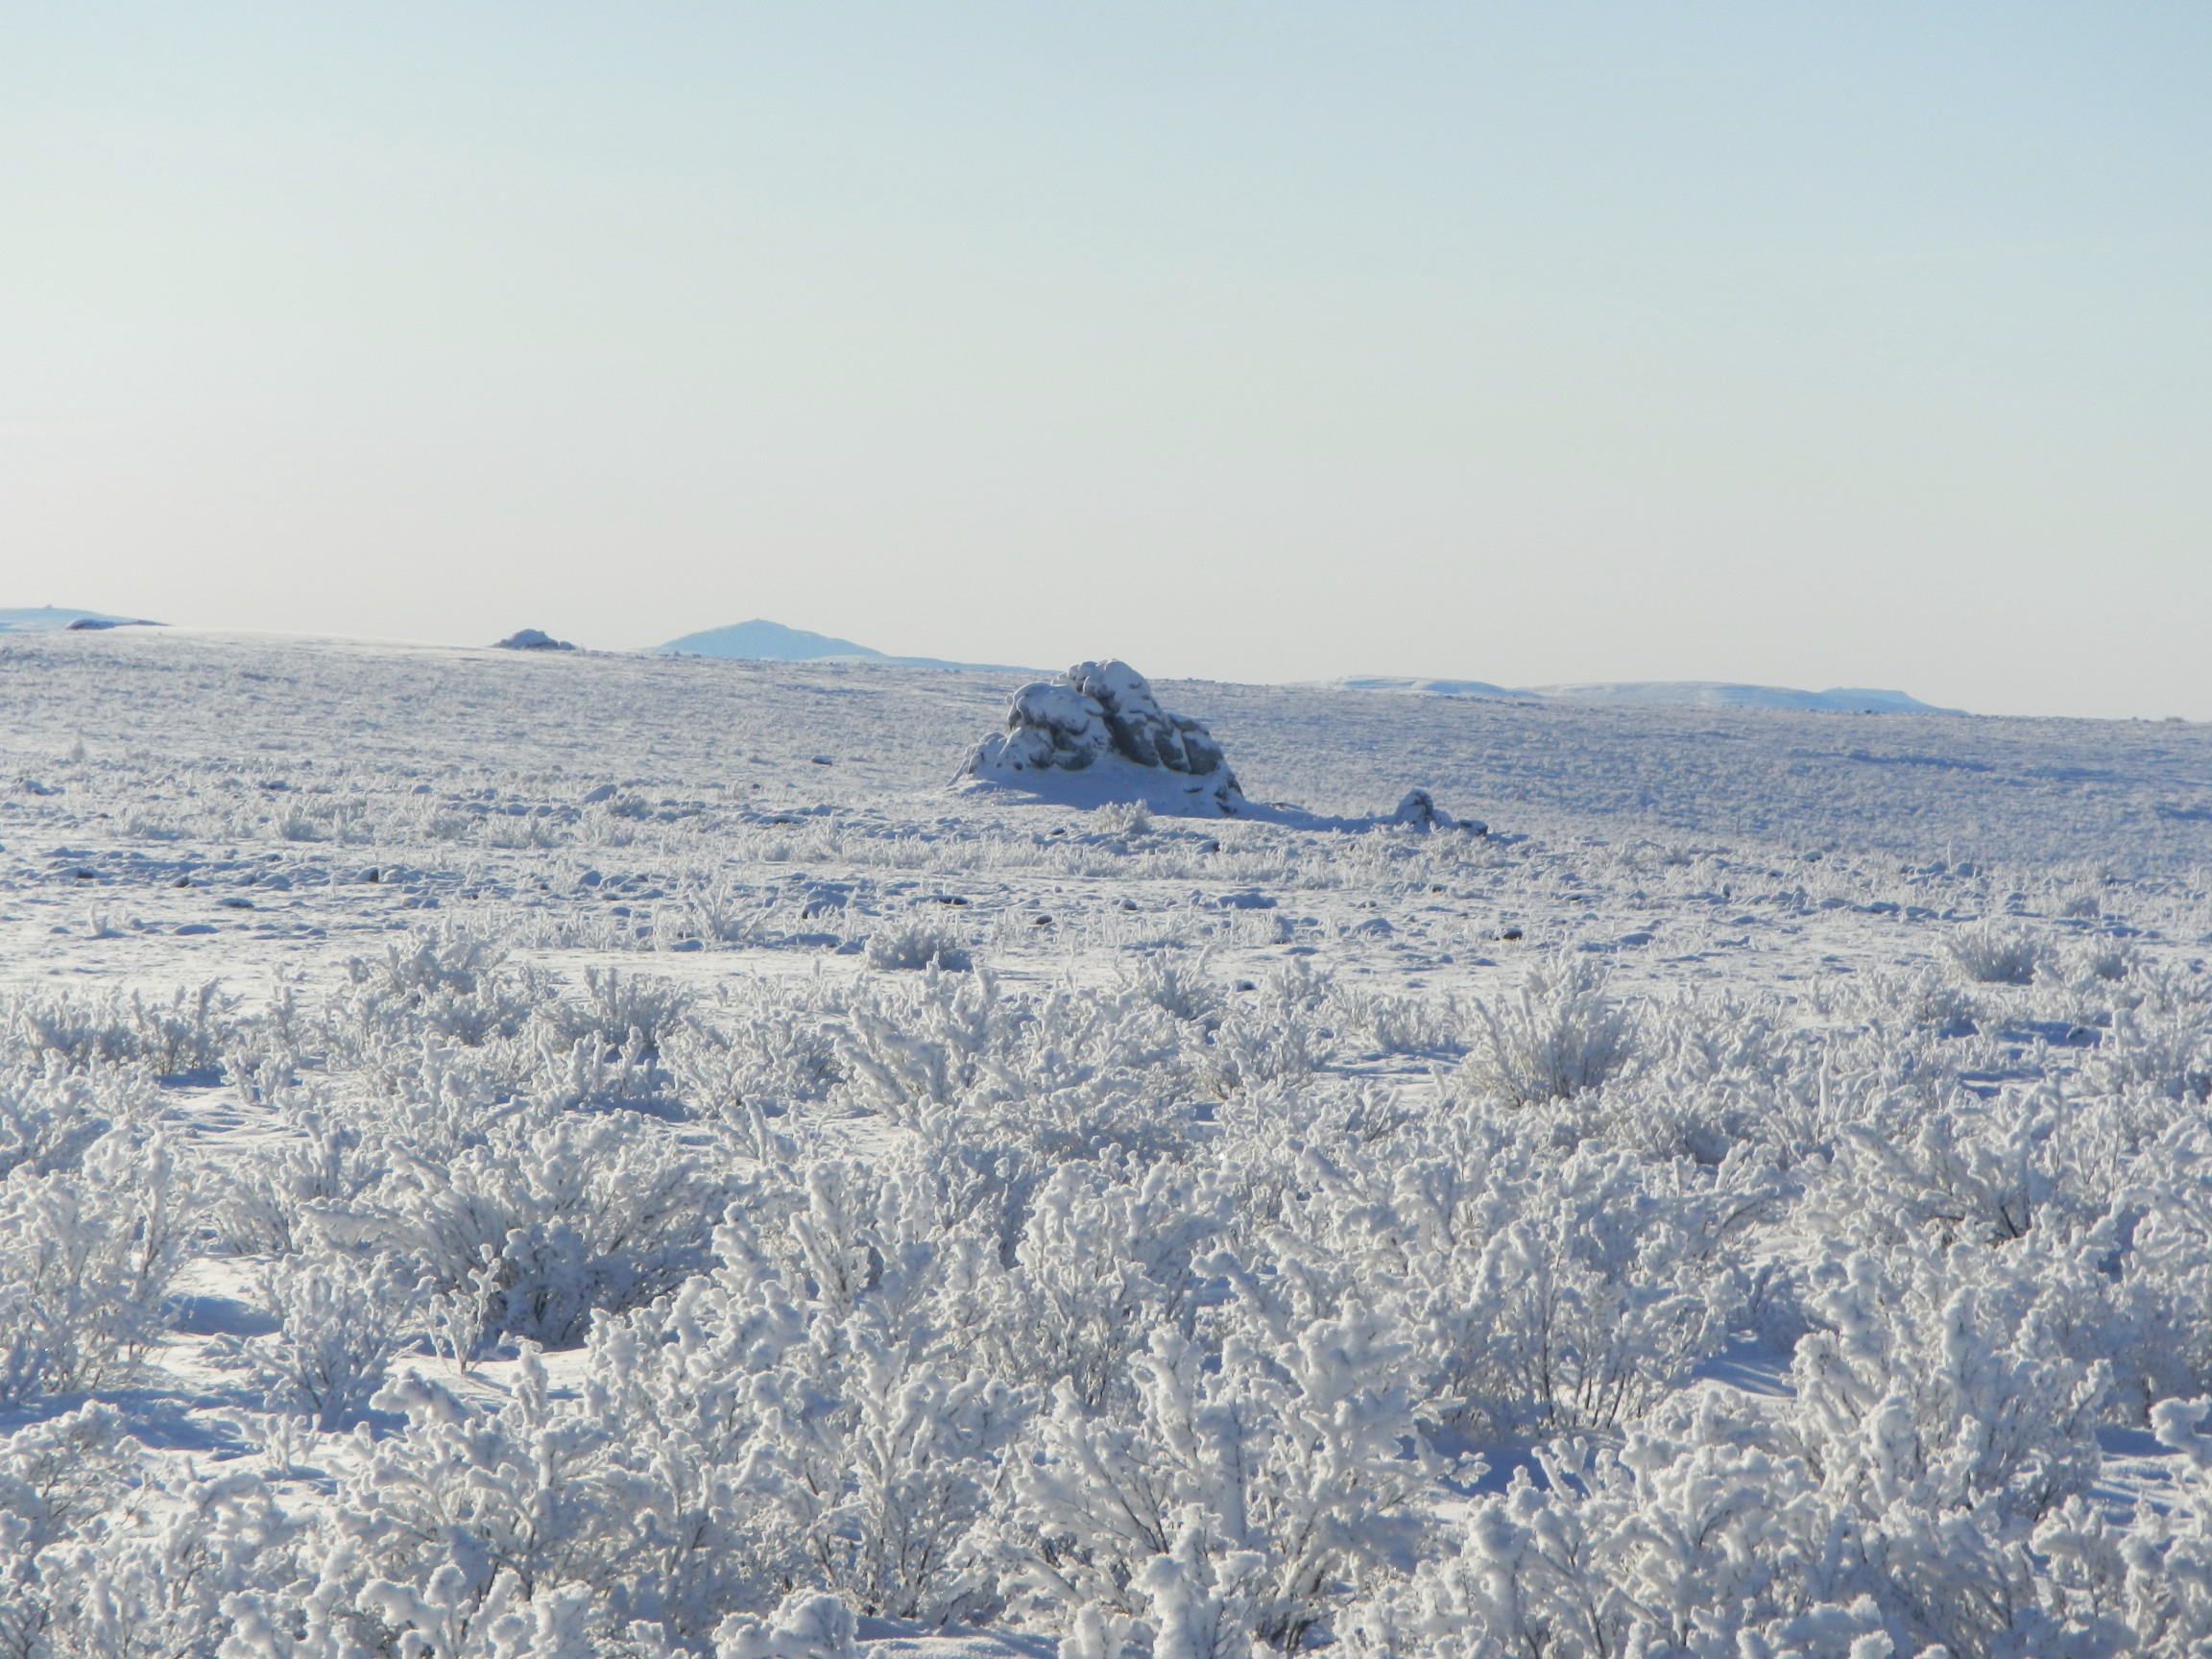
[1661,694]
[59,619]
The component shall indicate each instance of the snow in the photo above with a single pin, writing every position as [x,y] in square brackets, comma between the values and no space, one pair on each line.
[1762,1181]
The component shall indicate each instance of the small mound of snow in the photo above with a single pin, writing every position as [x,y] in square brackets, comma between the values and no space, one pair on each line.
[1099,735]
[533,640]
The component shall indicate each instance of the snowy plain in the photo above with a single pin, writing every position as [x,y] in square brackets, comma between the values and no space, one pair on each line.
[580,1153]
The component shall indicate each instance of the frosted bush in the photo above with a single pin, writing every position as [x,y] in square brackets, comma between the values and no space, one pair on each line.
[272,1202]
[160,1576]
[1181,989]
[614,1005]
[57,1478]
[1993,954]
[914,947]
[185,1034]
[1106,1254]
[1542,1292]
[1241,1496]
[1279,1034]
[1029,1078]
[50,1112]
[1395,1024]
[342,1320]
[774,1057]
[2167,1051]
[448,1527]
[1888,1508]
[718,910]
[86,1258]
[449,983]
[569,1214]
[2167,1551]
[1123,818]
[1560,1036]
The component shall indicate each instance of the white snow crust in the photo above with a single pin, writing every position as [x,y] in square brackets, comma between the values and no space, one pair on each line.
[512,1154]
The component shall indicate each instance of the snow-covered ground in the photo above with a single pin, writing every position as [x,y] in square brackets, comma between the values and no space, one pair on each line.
[511,1150]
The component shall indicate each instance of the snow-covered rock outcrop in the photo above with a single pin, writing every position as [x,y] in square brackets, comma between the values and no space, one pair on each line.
[1098,734]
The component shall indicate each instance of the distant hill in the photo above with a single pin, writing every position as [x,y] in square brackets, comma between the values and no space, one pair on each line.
[764,641]
[1661,694]
[57,619]
[1437,687]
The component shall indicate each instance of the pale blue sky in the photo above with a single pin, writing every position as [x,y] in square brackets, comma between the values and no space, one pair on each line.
[1859,345]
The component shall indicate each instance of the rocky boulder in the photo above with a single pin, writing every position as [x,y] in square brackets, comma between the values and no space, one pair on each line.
[1099,731]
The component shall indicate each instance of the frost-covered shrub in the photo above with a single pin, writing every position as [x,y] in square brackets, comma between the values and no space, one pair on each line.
[1240,1497]
[719,910]
[1993,954]
[1395,1024]
[571,1216]
[1560,1035]
[1543,1291]
[807,1626]
[86,1258]
[1181,989]
[466,1519]
[2166,1049]
[1106,1254]
[797,1414]
[185,1034]
[342,1320]
[2167,1551]
[451,983]
[880,1446]
[1123,818]
[50,1112]
[914,947]
[1936,1386]
[1277,1035]
[56,1478]
[617,1007]
[758,1054]
[272,1202]
[1027,1080]
[161,1576]
[1888,1508]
